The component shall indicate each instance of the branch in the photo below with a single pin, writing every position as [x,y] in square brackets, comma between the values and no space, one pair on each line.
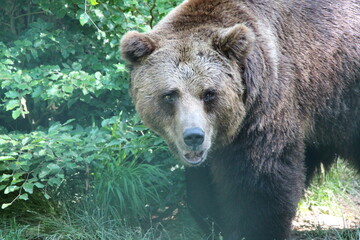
[152,14]
[29,14]
[6,24]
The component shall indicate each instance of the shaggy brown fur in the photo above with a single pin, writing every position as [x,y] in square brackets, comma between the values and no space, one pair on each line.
[264,91]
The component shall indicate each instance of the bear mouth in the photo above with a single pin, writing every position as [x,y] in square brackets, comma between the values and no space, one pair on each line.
[195,157]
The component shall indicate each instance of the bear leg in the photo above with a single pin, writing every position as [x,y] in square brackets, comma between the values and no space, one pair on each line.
[259,216]
[201,199]
[259,203]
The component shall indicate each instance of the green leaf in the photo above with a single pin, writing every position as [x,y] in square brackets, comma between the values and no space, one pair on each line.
[12,104]
[68,88]
[5,177]
[46,196]
[12,94]
[53,91]
[27,43]
[39,185]
[26,156]
[53,167]
[120,67]
[84,18]
[37,92]
[43,173]
[93,2]
[16,113]
[6,158]
[42,152]
[11,189]
[54,181]
[25,141]
[5,205]
[34,53]
[99,14]
[17,178]
[24,196]
[98,75]
[28,187]
[76,66]
[8,62]
[55,76]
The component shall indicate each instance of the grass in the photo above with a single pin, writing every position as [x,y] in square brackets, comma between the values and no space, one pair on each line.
[88,221]
[91,227]
[328,187]
[12,231]
[332,234]
[333,193]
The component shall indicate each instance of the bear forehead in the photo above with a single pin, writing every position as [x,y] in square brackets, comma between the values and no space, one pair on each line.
[177,74]
[188,55]
[189,62]
[184,49]
[185,63]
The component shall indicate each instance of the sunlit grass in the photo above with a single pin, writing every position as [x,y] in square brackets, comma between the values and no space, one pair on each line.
[332,195]
[329,190]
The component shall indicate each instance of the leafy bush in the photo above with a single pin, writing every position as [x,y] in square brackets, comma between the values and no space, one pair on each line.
[113,163]
[60,76]
[60,60]
[61,84]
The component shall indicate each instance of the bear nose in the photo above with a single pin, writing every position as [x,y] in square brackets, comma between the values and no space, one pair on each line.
[193,137]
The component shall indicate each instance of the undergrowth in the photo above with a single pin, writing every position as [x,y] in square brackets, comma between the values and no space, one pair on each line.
[88,220]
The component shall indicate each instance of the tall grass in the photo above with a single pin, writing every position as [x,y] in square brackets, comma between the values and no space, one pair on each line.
[94,225]
[128,189]
[128,183]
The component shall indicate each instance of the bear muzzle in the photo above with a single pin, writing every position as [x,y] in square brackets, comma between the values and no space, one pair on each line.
[193,137]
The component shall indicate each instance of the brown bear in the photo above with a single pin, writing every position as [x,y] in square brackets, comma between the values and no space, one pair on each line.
[256,94]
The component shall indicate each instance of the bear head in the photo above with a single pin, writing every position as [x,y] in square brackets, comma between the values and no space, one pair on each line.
[187,85]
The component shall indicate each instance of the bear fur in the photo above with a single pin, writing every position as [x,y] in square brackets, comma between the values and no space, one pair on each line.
[253,96]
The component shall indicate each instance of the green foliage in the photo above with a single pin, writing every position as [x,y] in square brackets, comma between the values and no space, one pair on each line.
[61,83]
[60,60]
[115,159]
[13,231]
[125,181]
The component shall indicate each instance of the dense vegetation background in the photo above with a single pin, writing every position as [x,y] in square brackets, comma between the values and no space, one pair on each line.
[69,139]
[75,161]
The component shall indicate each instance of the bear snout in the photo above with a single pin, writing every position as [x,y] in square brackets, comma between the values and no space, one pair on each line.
[193,137]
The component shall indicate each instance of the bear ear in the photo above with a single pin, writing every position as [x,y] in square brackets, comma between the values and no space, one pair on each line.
[135,45]
[236,41]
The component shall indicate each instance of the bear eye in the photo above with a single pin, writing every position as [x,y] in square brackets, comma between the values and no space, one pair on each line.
[209,95]
[169,97]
